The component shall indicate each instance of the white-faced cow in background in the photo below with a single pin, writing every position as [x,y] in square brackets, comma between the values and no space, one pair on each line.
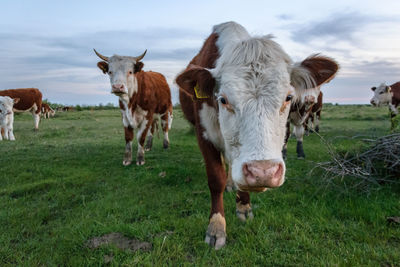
[30,99]
[301,109]
[142,95]
[237,93]
[312,122]
[387,95]
[7,117]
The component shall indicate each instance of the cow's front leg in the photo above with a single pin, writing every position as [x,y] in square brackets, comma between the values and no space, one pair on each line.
[36,119]
[216,230]
[316,123]
[128,146]
[287,135]
[299,132]
[11,136]
[243,207]
[141,136]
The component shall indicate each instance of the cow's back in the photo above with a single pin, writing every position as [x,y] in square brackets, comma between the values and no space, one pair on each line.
[28,98]
[154,93]
[396,93]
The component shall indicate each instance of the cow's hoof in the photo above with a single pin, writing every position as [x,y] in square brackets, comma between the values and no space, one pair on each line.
[244,212]
[149,144]
[126,162]
[140,161]
[216,234]
[165,144]
[301,156]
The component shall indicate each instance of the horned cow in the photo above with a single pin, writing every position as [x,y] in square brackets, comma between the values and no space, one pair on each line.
[143,95]
[237,93]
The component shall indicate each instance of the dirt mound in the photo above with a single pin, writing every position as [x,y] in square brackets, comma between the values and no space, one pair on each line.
[120,241]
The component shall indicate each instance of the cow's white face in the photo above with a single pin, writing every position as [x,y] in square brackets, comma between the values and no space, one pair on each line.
[6,106]
[254,83]
[253,109]
[307,97]
[382,95]
[121,70]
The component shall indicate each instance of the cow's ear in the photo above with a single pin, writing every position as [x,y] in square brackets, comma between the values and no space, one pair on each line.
[16,100]
[373,88]
[138,66]
[313,71]
[387,89]
[103,66]
[196,81]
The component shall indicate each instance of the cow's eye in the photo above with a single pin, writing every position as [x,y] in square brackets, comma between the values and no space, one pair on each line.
[110,72]
[289,97]
[130,72]
[223,100]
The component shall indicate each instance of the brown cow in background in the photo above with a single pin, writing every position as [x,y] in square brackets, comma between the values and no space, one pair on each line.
[47,111]
[30,99]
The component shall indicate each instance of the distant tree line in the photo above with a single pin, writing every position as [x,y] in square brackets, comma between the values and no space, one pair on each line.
[100,106]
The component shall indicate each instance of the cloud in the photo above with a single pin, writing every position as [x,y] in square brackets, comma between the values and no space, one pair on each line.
[338,26]
[285,17]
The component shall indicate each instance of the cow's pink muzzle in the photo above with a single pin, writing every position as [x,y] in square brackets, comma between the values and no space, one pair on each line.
[118,89]
[262,174]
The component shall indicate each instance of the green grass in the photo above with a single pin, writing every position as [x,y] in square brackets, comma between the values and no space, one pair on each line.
[65,184]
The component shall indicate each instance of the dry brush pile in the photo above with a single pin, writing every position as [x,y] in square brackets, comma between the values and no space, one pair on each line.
[378,162]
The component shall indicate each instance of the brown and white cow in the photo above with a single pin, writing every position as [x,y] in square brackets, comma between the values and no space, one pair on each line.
[47,111]
[237,93]
[68,108]
[315,115]
[387,95]
[301,109]
[142,96]
[30,99]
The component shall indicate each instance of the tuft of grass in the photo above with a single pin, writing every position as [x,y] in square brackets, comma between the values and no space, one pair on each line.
[65,184]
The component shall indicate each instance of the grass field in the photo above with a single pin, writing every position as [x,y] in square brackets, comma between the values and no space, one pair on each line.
[65,184]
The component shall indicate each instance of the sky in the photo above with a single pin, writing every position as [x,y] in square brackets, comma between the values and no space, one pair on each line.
[49,44]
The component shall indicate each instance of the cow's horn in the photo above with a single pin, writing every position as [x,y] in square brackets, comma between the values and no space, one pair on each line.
[141,56]
[100,55]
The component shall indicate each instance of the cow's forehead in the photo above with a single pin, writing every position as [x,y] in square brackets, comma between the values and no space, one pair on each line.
[120,62]
[269,79]
[381,87]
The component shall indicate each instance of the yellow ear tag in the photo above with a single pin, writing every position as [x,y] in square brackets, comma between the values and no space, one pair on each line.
[199,93]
